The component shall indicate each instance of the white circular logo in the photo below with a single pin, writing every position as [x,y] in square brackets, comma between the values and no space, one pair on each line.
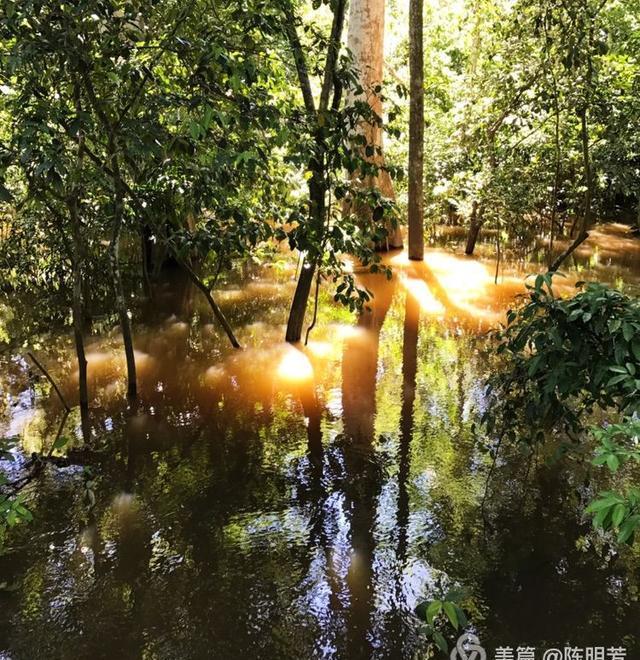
[468,648]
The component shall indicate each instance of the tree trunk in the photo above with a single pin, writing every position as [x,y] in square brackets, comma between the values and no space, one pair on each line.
[78,257]
[305,280]
[217,312]
[299,303]
[366,43]
[416,131]
[116,277]
[556,176]
[146,253]
[317,165]
[77,305]
[585,220]
[474,229]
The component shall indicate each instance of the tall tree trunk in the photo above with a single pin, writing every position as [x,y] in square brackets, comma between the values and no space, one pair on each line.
[118,210]
[317,165]
[307,272]
[77,305]
[583,113]
[366,42]
[116,277]
[146,252]
[416,130]
[585,219]
[78,257]
[474,228]
[556,176]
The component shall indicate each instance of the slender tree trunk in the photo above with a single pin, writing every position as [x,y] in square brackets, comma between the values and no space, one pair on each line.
[116,277]
[416,130]
[474,228]
[146,249]
[556,175]
[114,245]
[305,280]
[78,255]
[217,312]
[77,306]
[317,165]
[585,220]
[366,42]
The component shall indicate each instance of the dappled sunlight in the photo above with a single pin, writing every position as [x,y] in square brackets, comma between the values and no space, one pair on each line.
[279,451]
[462,277]
[106,368]
[421,292]
[215,375]
[343,332]
[295,366]
[321,349]
[608,244]
[457,287]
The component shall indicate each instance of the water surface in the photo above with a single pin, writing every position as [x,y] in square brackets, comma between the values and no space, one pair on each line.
[299,503]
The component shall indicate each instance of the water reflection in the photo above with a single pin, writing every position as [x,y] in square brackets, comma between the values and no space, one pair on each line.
[288,503]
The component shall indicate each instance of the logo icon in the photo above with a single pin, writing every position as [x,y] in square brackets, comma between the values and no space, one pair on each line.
[468,648]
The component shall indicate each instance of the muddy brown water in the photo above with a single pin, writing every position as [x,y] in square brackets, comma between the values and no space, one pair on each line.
[284,503]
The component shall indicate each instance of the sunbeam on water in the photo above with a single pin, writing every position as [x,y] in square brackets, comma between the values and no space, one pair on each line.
[296,502]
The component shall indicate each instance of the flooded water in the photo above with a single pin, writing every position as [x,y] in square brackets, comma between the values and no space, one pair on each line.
[278,502]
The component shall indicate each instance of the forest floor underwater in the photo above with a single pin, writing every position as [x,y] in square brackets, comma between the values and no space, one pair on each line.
[299,502]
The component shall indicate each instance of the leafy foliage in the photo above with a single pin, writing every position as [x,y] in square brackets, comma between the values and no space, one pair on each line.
[12,505]
[564,357]
[441,613]
[615,511]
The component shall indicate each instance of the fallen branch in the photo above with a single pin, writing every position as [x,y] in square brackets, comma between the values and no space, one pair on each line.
[569,251]
[50,379]
[217,312]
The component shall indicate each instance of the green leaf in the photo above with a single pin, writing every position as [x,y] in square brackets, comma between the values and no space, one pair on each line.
[619,512]
[601,517]
[462,617]
[602,503]
[626,531]
[617,379]
[440,641]
[613,462]
[433,610]
[533,366]
[60,442]
[452,615]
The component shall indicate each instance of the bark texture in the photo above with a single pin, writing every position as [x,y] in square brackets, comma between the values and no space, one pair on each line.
[416,131]
[366,42]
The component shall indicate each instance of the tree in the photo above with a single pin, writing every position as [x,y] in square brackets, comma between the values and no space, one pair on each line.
[416,130]
[366,45]
[325,146]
